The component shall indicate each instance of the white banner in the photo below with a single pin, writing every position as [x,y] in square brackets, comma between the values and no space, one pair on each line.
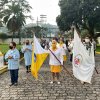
[83,60]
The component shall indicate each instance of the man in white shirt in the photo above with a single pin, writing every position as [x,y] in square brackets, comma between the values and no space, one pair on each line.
[13,63]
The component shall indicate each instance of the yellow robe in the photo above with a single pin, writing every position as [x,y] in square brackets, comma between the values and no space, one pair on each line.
[55,68]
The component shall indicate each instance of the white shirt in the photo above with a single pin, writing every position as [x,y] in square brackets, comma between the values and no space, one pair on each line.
[50,43]
[71,46]
[59,54]
[27,54]
[63,47]
[14,62]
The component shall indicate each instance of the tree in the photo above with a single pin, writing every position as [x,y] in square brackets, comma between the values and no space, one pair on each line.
[37,30]
[2,3]
[85,14]
[3,36]
[16,14]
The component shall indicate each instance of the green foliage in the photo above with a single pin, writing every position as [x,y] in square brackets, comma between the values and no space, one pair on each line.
[15,19]
[84,33]
[3,36]
[14,14]
[85,14]
[37,30]
[5,47]
[98,48]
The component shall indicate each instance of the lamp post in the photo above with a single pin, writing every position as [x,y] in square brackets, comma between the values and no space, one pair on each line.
[43,20]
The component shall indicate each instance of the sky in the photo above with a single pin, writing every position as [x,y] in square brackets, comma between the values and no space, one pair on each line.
[49,8]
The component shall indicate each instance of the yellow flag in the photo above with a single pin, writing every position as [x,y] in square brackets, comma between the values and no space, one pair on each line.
[38,57]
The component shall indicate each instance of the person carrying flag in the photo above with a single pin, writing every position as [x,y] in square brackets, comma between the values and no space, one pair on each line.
[83,59]
[56,60]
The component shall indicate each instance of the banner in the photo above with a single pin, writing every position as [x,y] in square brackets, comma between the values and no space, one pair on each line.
[83,60]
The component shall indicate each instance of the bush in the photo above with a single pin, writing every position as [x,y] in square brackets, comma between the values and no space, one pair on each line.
[3,36]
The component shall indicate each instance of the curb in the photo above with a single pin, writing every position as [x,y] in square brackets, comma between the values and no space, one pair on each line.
[97,52]
[3,69]
[21,59]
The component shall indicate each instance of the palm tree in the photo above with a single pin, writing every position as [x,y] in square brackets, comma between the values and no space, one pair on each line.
[2,3]
[15,18]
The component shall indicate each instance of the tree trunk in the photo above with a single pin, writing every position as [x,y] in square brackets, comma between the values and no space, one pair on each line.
[19,36]
[91,32]
[91,28]
[12,37]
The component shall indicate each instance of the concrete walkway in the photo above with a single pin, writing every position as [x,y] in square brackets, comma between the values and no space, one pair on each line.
[31,89]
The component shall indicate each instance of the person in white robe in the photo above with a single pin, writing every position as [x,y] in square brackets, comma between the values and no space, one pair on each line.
[62,45]
[27,50]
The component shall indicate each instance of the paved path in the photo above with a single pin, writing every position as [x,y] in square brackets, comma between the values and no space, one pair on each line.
[31,89]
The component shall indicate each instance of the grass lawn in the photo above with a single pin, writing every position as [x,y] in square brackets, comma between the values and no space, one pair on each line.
[4,48]
[98,48]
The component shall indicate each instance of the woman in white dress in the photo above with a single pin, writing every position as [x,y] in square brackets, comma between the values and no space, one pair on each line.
[55,62]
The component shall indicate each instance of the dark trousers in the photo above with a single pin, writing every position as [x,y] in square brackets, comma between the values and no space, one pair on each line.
[71,57]
[28,67]
[14,76]
[94,52]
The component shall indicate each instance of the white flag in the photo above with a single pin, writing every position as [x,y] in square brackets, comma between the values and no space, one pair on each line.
[83,60]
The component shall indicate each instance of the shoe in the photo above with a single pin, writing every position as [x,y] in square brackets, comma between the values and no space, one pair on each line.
[11,84]
[51,82]
[82,82]
[27,71]
[15,84]
[58,82]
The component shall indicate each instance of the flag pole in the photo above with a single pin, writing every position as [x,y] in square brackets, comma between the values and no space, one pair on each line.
[96,70]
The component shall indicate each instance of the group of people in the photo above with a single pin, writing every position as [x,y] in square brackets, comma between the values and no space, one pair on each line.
[58,51]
